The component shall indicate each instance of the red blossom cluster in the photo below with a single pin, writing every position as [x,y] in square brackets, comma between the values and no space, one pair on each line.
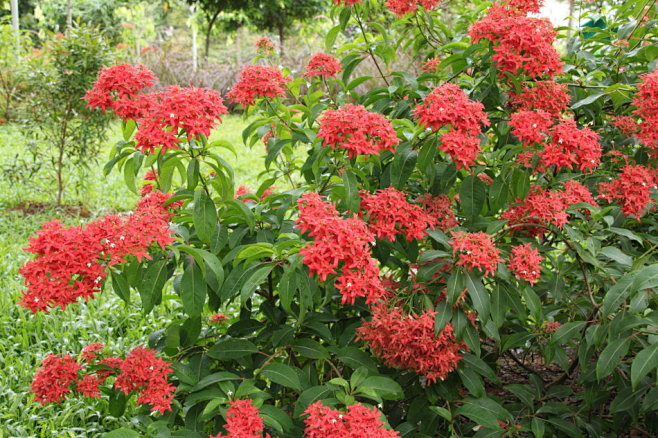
[339,241]
[264,44]
[150,180]
[431,65]
[440,210]
[357,130]
[140,371]
[626,124]
[347,2]
[546,96]
[243,421]
[244,190]
[632,189]
[646,101]
[448,105]
[322,64]
[546,207]
[257,81]
[410,342]
[218,318]
[403,7]
[531,126]
[163,117]
[525,6]
[522,44]
[358,422]
[571,146]
[72,262]
[476,250]
[525,262]
[389,214]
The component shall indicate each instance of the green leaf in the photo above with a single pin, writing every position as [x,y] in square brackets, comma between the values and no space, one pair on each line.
[122,432]
[229,349]
[588,100]
[120,286]
[204,216]
[443,412]
[330,39]
[645,362]
[479,296]
[611,356]
[443,316]
[403,164]
[617,294]
[567,332]
[385,387]
[255,279]
[351,199]
[310,349]
[283,375]
[193,290]
[480,413]
[311,395]
[150,288]
[218,238]
[472,195]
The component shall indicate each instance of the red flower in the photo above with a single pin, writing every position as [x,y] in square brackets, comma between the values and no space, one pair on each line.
[264,44]
[358,422]
[403,7]
[120,89]
[572,146]
[646,102]
[89,386]
[440,211]
[243,421]
[546,96]
[525,6]
[476,250]
[357,130]
[218,318]
[257,81]
[522,45]
[431,65]
[632,189]
[462,148]
[410,342]
[531,126]
[347,2]
[54,379]
[389,214]
[141,371]
[322,64]
[525,262]
[447,105]
[627,125]
[539,207]
[339,241]
[574,193]
[151,175]
[88,353]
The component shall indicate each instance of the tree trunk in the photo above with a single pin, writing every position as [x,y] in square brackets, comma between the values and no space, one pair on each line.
[15,25]
[282,37]
[211,23]
[195,49]
[238,46]
[69,15]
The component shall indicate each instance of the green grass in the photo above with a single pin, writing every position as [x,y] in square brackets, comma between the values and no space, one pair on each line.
[25,339]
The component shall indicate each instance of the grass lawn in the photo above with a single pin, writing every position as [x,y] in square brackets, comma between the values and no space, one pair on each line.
[26,339]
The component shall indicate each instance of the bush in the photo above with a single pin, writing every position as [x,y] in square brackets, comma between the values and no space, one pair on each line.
[469,252]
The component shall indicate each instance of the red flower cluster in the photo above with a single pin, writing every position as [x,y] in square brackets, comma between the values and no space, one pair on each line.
[409,342]
[257,81]
[632,189]
[403,7]
[525,6]
[264,44]
[243,421]
[120,89]
[322,64]
[440,211]
[140,371]
[347,2]
[476,250]
[218,318]
[531,126]
[546,96]
[389,214]
[72,261]
[162,117]
[546,207]
[357,130]
[431,65]
[646,102]
[358,422]
[448,105]
[525,262]
[339,241]
[150,179]
[522,45]
[571,146]
[626,124]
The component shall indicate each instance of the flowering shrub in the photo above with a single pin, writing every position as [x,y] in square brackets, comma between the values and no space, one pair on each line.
[385,289]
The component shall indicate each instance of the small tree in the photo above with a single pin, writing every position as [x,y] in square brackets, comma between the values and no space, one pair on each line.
[71,133]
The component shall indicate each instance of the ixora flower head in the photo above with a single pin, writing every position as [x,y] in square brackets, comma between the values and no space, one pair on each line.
[571,146]
[243,421]
[257,81]
[265,45]
[359,421]
[632,189]
[140,371]
[646,102]
[357,130]
[448,105]
[409,341]
[476,251]
[525,263]
[339,242]
[72,262]
[403,7]
[548,96]
[324,65]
